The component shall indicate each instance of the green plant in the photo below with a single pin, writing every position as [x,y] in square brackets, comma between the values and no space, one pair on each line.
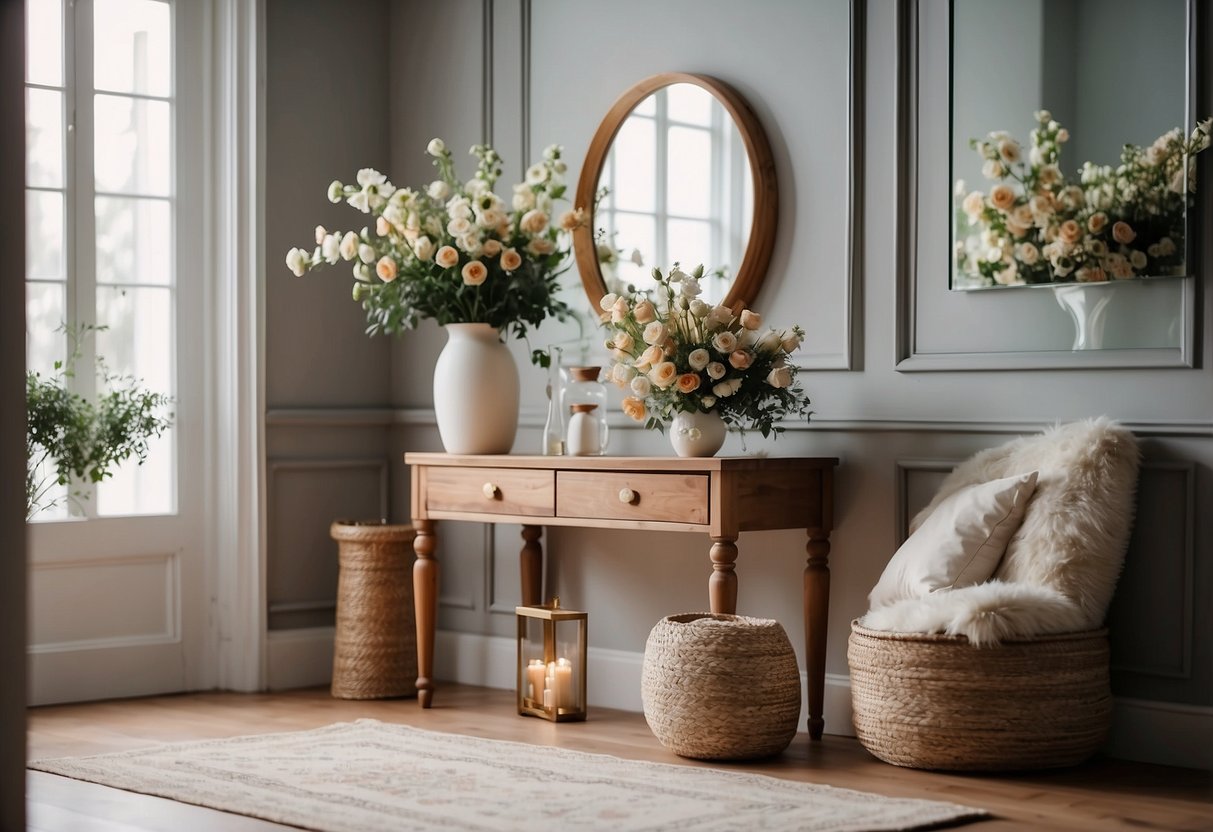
[83,438]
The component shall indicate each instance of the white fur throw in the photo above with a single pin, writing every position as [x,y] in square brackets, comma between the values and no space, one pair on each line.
[1070,547]
[984,613]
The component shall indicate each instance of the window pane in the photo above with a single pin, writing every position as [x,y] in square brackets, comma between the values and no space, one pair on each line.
[131,46]
[689,103]
[690,243]
[44,138]
[45,313]
[134,240]
[648,107]
[635,160]
[44,42]
[138,341]
[141,489]
[689,173]
[132,147]
[635,232]
[44,234]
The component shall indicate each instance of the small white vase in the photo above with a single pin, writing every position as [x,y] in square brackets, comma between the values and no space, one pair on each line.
[476,391]
[697,434]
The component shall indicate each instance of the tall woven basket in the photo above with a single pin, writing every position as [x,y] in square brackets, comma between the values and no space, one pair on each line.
[937,702]
[375,648]
[721,687]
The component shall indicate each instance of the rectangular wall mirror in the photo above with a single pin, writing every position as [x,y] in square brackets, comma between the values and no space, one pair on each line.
[1042,87]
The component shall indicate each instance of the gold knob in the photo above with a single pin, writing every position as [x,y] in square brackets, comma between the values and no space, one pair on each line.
[491,491]
[627,495]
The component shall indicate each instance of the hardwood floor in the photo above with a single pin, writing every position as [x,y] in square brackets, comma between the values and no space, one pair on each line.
[1102,794]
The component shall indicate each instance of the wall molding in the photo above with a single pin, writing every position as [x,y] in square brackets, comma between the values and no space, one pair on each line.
[904,468]
[276,467]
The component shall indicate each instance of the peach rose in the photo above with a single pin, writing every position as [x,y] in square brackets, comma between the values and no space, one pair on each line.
[619,310]
[1096,222]
[663,374]
[1123,233]
[541,246]
[645,312]
[447,257]
[491,248]
[634,408]
[474,273]
[510,260]
[688,382]
[533,221]
[386,269]
[750,320]
[573,219]
[650,357]
[623,341]
[1070,232]
[655,333]
[1002,197]
[740,359]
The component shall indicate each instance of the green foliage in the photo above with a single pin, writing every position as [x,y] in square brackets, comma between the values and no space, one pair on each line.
[85,439]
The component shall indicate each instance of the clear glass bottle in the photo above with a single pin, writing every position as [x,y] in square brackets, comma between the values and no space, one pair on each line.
[553,428]
[585,400]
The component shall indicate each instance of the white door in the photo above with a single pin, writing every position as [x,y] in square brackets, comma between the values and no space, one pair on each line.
[117,577]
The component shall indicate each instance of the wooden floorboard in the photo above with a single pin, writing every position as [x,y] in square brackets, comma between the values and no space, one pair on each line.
[1101,794]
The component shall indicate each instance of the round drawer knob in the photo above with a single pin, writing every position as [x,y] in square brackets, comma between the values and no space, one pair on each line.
[491,491]
[627,495]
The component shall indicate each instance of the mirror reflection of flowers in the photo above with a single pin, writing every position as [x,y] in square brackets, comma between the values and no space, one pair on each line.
[674,352]
[1114,223]
[453,251]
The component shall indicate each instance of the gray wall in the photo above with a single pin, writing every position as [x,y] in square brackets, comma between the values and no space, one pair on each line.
[905,380]
[12,416]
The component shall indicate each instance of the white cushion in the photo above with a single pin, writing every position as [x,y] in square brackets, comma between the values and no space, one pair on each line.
[960,543]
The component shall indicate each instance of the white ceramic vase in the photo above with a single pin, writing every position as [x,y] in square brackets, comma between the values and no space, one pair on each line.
[697,434]
[476,391]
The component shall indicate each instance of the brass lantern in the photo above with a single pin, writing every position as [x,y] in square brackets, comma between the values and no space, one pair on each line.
[551,662]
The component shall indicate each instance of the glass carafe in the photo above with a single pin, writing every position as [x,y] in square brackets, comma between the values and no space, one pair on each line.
[585,400]
[553,428]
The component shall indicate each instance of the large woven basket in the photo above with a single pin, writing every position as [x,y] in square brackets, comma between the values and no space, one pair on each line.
[375,647]
[937,702]
[721,687]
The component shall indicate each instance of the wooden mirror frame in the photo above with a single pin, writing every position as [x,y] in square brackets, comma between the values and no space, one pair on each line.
[753,267]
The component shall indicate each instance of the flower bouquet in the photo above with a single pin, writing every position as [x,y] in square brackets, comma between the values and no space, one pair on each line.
[452,251]
[1035,226]
[677,354]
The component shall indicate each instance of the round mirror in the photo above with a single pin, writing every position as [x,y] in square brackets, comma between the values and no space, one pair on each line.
[679,171]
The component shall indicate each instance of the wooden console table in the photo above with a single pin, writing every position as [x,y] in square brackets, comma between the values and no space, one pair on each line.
[719,497]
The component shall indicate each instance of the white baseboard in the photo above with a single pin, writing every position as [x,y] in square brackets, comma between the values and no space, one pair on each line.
[1150,732]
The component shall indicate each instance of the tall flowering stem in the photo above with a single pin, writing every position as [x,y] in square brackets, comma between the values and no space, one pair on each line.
[1037,226]
[676,353]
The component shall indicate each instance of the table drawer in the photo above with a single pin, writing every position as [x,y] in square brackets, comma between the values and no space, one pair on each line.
[491,491]
[674,498]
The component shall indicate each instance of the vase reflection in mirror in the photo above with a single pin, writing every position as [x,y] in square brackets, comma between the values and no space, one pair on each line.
[1087,304]
[586,401]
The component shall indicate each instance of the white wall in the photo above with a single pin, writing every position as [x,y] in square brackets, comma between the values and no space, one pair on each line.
[12,417]
[890,398]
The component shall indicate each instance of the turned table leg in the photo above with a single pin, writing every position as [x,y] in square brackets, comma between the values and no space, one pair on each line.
[816,614]
[530,565]
[425,601]
[722,585]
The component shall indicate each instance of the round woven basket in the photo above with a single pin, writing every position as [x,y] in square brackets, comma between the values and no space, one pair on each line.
[937,702]
[375,648]
[721,687]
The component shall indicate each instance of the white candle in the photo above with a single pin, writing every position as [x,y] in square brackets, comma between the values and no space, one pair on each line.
[548,702]
[550,685]
[535,673]
[563,675]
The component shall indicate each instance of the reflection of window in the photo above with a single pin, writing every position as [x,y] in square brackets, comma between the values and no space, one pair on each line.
[100,208]
[679,188]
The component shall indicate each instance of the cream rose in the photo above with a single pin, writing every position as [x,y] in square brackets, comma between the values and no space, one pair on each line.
[622,373]
[750,320]
[573,219]
[1028,253]
[720,316]
[623,341]
[459,227]
[716,370]
[724,342]
[780,377]
[1002,197]
[688,382]
[651,356]
[533,222]
[770,342]
[740,359]
[386,269]
[727,388]
[1008,149]
[424,249]
[634,408]
[474,273]
[655,333]
[641,386]
[608,300]
[1097,222]
[973,204]
[541,246]
[619,310]
[1138,259]
[663,374]
[791,340]
[439,190]
[1123,233]
[645,312]
[700,309]
[698,359]
[446,257]
[510,260]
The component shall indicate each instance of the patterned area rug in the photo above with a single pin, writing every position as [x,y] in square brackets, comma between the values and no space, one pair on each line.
[367,776]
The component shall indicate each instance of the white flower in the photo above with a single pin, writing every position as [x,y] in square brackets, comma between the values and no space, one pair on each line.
[423,248]
[973,204]
[608,301]
[458,227]
[1028,253]
[623,374]
[1138,259]
[791,340]
[476,187]
[536,174]
[436,147]
[331,248]
[724,342]
[780,377]
[366,254]
[655,333]
[992,169]
[690,287]
[770,343]
[320,234]
[349,246]
[524,198]
[727,388]
[297,261]
[720,316]
[492,218]
[707,401]
[552,152]
[716,370]
[336,191]
[369,176]
[439,190]
[641,386]
[699,358]
[700,309]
